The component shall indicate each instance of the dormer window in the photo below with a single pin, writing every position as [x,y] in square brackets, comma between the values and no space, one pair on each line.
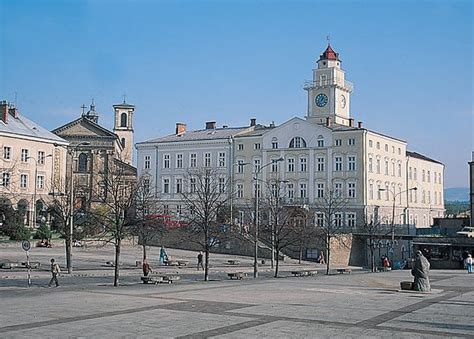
[320,141]
[297,142]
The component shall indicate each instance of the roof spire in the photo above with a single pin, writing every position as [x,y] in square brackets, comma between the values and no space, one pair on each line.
[328,38]
[124,98]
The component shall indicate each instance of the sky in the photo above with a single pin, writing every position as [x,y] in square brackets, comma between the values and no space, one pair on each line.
[229,61]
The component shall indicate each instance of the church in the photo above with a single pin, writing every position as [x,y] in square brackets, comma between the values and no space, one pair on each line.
[93,148]
[326,149]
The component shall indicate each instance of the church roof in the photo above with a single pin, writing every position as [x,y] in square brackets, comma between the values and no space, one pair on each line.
[84,120]
[329,54]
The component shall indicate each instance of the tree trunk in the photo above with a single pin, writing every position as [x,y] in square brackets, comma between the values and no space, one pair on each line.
[117,262]
[328,254]
[206,264]
[277,263]
[68,255]
[144,251]
[301,253]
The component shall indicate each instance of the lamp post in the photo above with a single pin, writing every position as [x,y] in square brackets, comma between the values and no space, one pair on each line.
[392,226]
[255,218]
[36,186]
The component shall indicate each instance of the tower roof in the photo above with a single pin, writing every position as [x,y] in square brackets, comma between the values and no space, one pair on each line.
[329,54]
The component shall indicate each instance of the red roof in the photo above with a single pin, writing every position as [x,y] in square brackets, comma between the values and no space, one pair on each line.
[329,54]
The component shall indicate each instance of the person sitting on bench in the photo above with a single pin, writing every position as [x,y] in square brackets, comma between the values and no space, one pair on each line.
[146,268]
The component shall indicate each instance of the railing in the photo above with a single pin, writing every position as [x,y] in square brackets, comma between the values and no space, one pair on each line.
[308,84]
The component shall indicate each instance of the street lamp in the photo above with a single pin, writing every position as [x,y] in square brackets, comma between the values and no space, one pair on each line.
[36,186]
[392,226]
[72,151]
[255,217]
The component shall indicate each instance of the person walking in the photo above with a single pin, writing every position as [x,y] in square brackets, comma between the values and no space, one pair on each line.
[55,270]
[199,258]
[146,268]
[469,263]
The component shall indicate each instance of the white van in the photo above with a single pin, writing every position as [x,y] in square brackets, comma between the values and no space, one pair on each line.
[467,231]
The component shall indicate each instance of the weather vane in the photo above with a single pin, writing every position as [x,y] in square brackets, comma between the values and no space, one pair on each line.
[124,98]
[328,38]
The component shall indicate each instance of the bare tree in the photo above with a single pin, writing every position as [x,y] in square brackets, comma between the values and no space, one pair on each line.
[204,197]
[330,220]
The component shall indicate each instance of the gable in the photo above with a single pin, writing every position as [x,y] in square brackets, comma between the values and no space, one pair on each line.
[297,127]
[83,128]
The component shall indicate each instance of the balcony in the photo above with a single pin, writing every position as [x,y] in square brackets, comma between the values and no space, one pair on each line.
[310,84]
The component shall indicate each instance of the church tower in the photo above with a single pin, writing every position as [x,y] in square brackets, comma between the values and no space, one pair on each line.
[123,127]
[329,92]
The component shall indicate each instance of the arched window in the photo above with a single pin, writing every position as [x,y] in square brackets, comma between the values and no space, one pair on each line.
[297,142]
[320,141]
[82,163]
[123,120]
[122,141]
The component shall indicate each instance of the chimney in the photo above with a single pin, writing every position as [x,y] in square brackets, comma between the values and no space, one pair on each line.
[4,111]
[359,124]
[328,122]
[351,122]
[13,112]
[210,125]
[253,122]
[180,128]
[225,126]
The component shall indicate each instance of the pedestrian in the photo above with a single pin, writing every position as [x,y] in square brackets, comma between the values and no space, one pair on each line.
[146,268]
[199,258]
[321,258]
[55,270]
[163,256]
[386,263]
[469,263]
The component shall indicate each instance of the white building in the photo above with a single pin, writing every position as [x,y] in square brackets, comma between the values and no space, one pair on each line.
[324,151]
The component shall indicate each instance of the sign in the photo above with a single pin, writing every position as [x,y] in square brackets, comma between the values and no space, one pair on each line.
[25,244]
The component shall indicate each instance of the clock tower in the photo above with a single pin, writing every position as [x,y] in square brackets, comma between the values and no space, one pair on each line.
[123,127]
[329,92]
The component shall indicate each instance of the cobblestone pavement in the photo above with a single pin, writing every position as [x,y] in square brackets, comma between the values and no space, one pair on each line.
[343,305]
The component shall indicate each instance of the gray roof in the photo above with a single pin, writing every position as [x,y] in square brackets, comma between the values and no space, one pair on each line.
[24,126]
[203,134]
[422,157]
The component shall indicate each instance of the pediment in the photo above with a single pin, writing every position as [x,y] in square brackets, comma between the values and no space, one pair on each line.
[83,127]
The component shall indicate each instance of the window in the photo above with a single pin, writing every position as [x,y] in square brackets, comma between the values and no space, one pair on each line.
[378,145]
[393,149]
[320,141]
[179,210]
[256,165]
[221,159]
[274,143]
[351,142]
[370,143]
[338,219]
[7,153]
[221,185]
[428,176]
[240,191]
[386,166]
[399,151]
[291,191]
[434,177]
[166,186]
[40,182]
[337,142]
[386,148]
[323,80]
[399,170]
[320,164]
[122,141]
[379,192]
[123,120]
[166,209]
[378,166]
[240,147]
[371,191]
[319,219]
[6,179]
[274,166]
[207,159]
[82,162]
[338,189]
[319,190]
[192,185]
[193,160]
[240,166]
[386,192]
[41,158]
[166,161]
[393,168]
[256,189]
[423,175]
[291,165]
[338,163]
[297,142]
[351,190]
[370,164]
[179,161]
[179,185]
[303,164]
[409,173]
[256,146]
[351,163]
[24,155]
[351,220]
[23,180]
[147,162]
[303,190]
[439,178]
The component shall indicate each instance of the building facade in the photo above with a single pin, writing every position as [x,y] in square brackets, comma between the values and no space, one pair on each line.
[325,151]
[32,163]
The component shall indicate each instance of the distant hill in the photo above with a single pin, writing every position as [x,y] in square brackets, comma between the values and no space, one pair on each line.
[456,194]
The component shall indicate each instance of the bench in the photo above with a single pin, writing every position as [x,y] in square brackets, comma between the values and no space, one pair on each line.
[236,275]
[304,273]
[175,262]
[383,269]
[233,262]
[152,280]
[344,270]
[156,278]
[10,265]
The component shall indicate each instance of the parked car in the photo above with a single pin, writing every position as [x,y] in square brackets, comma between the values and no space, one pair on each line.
[467,231]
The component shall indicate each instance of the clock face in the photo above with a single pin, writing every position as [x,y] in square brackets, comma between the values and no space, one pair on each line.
[321,100]
[343,101]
